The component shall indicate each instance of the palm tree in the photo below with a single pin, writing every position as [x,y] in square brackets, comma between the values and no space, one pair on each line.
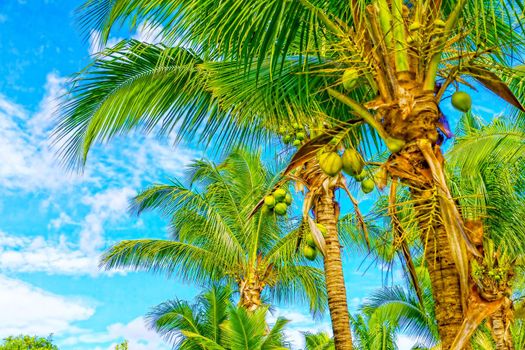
[213,322]
[318,341]
[489,185]
[214,240]
[181,88]
[396,61]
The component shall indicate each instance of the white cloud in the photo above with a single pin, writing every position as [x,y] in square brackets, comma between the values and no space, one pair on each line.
[405,343]
[300,322]
[109,205]
[146,32]
[135,332]
[96,45]
[149,33]
[44,119]
[36,254]
[30,310]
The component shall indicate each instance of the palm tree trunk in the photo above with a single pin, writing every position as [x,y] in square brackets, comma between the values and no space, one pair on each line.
[250,294]
[444,277]
[500,325]
[327,215]
[417,122]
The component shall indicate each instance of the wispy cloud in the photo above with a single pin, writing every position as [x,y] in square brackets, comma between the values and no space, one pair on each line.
[30,310]
[139,337]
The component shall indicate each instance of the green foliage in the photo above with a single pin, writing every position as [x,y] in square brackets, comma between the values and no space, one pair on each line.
[318,341]
[213,322]
[122,346]
[214,237]
[28,342]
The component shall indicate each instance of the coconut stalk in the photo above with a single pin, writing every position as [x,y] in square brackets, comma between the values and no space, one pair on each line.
[401,53]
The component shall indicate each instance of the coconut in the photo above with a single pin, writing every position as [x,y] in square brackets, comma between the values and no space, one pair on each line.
[288,199]
[361,176]
[265,210]
[269,201]
[287,139]
[367,185]
[461,101]
[297,143]
[309,239]
[350,78]
[309,252]
[296,126]
[330,163]
[394,145]
[280,209]
[300,136]
[323,229]
[279,194]
[352,162]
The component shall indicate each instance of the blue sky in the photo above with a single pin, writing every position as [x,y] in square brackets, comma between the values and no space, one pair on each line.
[55,224]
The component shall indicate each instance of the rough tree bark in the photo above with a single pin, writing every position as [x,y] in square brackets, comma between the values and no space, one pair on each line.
[500,325]
[327,215]
[417,118]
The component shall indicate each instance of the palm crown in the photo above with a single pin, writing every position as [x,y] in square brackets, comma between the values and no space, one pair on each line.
[213,322]
[216,240]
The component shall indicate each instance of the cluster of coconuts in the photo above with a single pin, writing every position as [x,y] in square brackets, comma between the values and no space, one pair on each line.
[414,28]
[277,202]
[296,138]
[461,101]
[352,163]
[310,248]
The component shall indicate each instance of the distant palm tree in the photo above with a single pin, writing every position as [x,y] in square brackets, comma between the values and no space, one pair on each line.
[319,341]
[214,323]
[215,239]
[487,167]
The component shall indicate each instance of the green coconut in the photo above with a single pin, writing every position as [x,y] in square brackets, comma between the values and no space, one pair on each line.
[265,210]
[323,229]
[394,145]
[309,239]
[288,199]
[353,163]
[269,201]
[461,101]
[350,78]
[361,176]
[330,163]
[280,209]
[297,143]
[300,136]
[309,252]
[279,194]
[367,185]
[287,139]
[296,126]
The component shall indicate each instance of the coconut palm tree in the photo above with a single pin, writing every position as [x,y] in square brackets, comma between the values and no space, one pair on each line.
[133,72]
[213,322]
[384,64]
[214,240]
[318,341]
[489,185]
